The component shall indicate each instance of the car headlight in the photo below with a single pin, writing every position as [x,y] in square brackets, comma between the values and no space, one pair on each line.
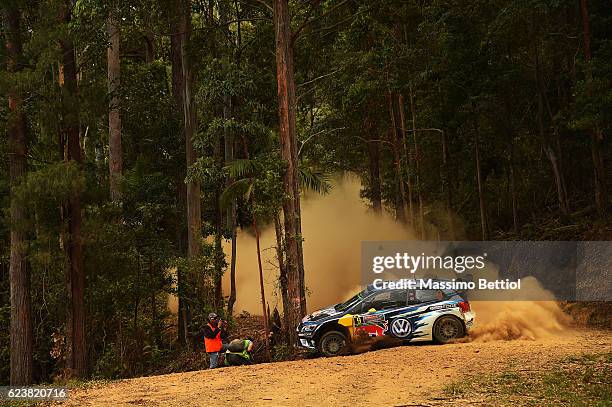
[308,328]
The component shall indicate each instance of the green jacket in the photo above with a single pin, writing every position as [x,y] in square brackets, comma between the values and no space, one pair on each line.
[244,353]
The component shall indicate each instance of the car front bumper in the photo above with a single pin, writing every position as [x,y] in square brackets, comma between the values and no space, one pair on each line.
[305,337]
[306,342]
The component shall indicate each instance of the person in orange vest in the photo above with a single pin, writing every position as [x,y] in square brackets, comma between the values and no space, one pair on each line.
[214,334]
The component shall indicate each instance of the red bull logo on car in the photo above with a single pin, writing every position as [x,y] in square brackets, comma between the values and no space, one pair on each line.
[372,325]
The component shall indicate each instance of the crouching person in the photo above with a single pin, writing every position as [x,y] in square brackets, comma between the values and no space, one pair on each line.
[239,352]
[214,334]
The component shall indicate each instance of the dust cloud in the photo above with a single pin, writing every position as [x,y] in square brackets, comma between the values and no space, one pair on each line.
[509,320]
[508,317]
[333,227]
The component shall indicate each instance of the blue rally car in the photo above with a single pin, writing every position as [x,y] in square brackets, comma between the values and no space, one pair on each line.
[409,315]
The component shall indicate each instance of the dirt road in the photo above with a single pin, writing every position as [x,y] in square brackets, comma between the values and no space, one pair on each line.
[403,376]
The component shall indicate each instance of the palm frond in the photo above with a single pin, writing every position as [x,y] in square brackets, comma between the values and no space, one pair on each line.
[315,180]
[242,167]
[241,187]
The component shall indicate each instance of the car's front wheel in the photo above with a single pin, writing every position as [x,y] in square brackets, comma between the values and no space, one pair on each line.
[447,329]
[332,343]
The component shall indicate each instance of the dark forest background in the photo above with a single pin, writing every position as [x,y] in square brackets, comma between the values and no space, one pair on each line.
[133,130]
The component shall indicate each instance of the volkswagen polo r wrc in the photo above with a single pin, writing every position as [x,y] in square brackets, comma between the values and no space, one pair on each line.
[409,315]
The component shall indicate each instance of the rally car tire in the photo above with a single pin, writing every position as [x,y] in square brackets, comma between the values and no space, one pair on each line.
[332,343]
[447,329]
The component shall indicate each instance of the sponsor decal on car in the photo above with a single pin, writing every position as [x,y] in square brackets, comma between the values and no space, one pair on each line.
[372,325]
[442,306]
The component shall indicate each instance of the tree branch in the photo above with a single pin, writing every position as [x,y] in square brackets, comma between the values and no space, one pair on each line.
[316,134]
[317,78]
[263,3]
[308,20]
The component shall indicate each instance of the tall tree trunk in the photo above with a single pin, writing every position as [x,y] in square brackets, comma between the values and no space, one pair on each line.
[557,146]
[218,221]
[232,297]
[302,275]
[484,226]
[601,193]
[374,160]
[220,159]
[263,293]
[551,152]
[181,193]
[446,185]
[280,256]
[136,291]
[76,360]
[21,318]
[552,157]
[114,115]
[586,34]
[417,165]
[149,39]
[291,205]
[194,215]
[153,287]
[599,174]
[229,156]
[181,237]
[194,223]
[513,192]
[400,195]
[407,158]
[231,212]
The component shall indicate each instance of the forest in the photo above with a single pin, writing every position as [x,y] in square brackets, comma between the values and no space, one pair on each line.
[139,137]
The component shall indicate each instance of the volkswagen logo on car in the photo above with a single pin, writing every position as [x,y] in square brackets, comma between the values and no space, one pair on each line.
[401,327]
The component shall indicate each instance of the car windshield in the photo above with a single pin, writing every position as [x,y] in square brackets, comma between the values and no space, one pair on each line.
[350,302]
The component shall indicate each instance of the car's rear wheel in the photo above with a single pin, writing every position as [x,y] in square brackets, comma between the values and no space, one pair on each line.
[332,343]
[447,329]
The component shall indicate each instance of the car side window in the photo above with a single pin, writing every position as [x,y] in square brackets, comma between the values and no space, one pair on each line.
[420,296]
[429,295]
[384,300]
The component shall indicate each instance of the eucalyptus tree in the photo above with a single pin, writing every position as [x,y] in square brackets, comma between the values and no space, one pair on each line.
[21,318]
[115,158]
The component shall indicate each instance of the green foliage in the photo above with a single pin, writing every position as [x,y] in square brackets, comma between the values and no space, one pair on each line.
[256,181]
[243,167]
[50,186]
[281,352]
[470,69]
[315,180]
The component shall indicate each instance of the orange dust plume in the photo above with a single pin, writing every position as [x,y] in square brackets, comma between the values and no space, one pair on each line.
[333,227]
[509,320]
[509,317]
